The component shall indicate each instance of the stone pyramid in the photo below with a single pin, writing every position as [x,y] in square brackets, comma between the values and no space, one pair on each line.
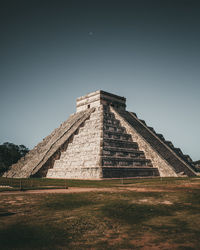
[103,140]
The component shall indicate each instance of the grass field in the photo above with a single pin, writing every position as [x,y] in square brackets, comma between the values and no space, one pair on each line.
[44,183]
[138,214]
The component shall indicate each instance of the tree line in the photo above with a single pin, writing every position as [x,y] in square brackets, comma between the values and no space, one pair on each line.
[10,154]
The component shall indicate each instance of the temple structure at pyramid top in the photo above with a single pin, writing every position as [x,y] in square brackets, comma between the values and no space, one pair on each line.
[95,99]
[103,140]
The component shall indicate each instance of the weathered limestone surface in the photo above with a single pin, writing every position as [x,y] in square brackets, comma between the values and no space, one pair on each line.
[34,161]
[82,156]
[103,140]
[95,99]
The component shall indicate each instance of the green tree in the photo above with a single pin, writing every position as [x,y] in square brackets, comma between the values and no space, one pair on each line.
[10,154]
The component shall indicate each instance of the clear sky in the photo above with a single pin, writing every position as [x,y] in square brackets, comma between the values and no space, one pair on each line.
[52,52]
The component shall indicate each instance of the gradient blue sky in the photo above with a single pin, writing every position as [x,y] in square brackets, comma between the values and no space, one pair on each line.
[52,52]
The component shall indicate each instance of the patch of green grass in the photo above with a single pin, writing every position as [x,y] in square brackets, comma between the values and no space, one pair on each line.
[40,183]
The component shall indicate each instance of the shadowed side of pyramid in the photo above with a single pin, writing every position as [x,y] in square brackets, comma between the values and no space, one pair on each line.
[169,160]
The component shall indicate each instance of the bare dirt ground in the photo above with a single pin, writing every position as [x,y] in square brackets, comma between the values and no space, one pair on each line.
[115,189]
[61,191]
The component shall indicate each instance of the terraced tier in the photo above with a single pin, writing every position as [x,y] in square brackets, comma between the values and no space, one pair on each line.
[127,172]
[116,151]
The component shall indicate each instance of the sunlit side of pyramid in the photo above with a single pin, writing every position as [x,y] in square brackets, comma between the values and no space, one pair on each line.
[103,140]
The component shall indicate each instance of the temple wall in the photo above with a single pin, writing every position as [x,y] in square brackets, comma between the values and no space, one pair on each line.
[98,98]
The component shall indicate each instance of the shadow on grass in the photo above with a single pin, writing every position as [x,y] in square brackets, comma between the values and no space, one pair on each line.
[135,213]
[179,232]
[66,202]
[19,236]
[138,216]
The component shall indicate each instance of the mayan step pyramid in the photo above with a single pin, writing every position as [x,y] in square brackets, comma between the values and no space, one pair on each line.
[103,140]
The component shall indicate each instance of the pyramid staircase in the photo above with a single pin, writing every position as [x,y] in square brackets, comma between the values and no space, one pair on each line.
[121,156]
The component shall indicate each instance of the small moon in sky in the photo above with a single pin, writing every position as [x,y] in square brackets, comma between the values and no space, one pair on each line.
[90,33]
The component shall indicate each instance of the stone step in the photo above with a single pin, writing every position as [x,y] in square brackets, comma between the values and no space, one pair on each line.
[121,161]
[64,168]
[81,157]
[121,172]
[78,163]
[81,143]
[143,122]
[131,167]
[161,137]
[96,118]
[86,134]
[152,129]
[125,159]
[111,127]
[93,123]
[89,138]
[119,143]
[111,121]
[77,152]
[170,144]
[124,153]
[77,173]
[117,135]
[118,149]
[188,158]
[109,115]
[178,151]
[89,130]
